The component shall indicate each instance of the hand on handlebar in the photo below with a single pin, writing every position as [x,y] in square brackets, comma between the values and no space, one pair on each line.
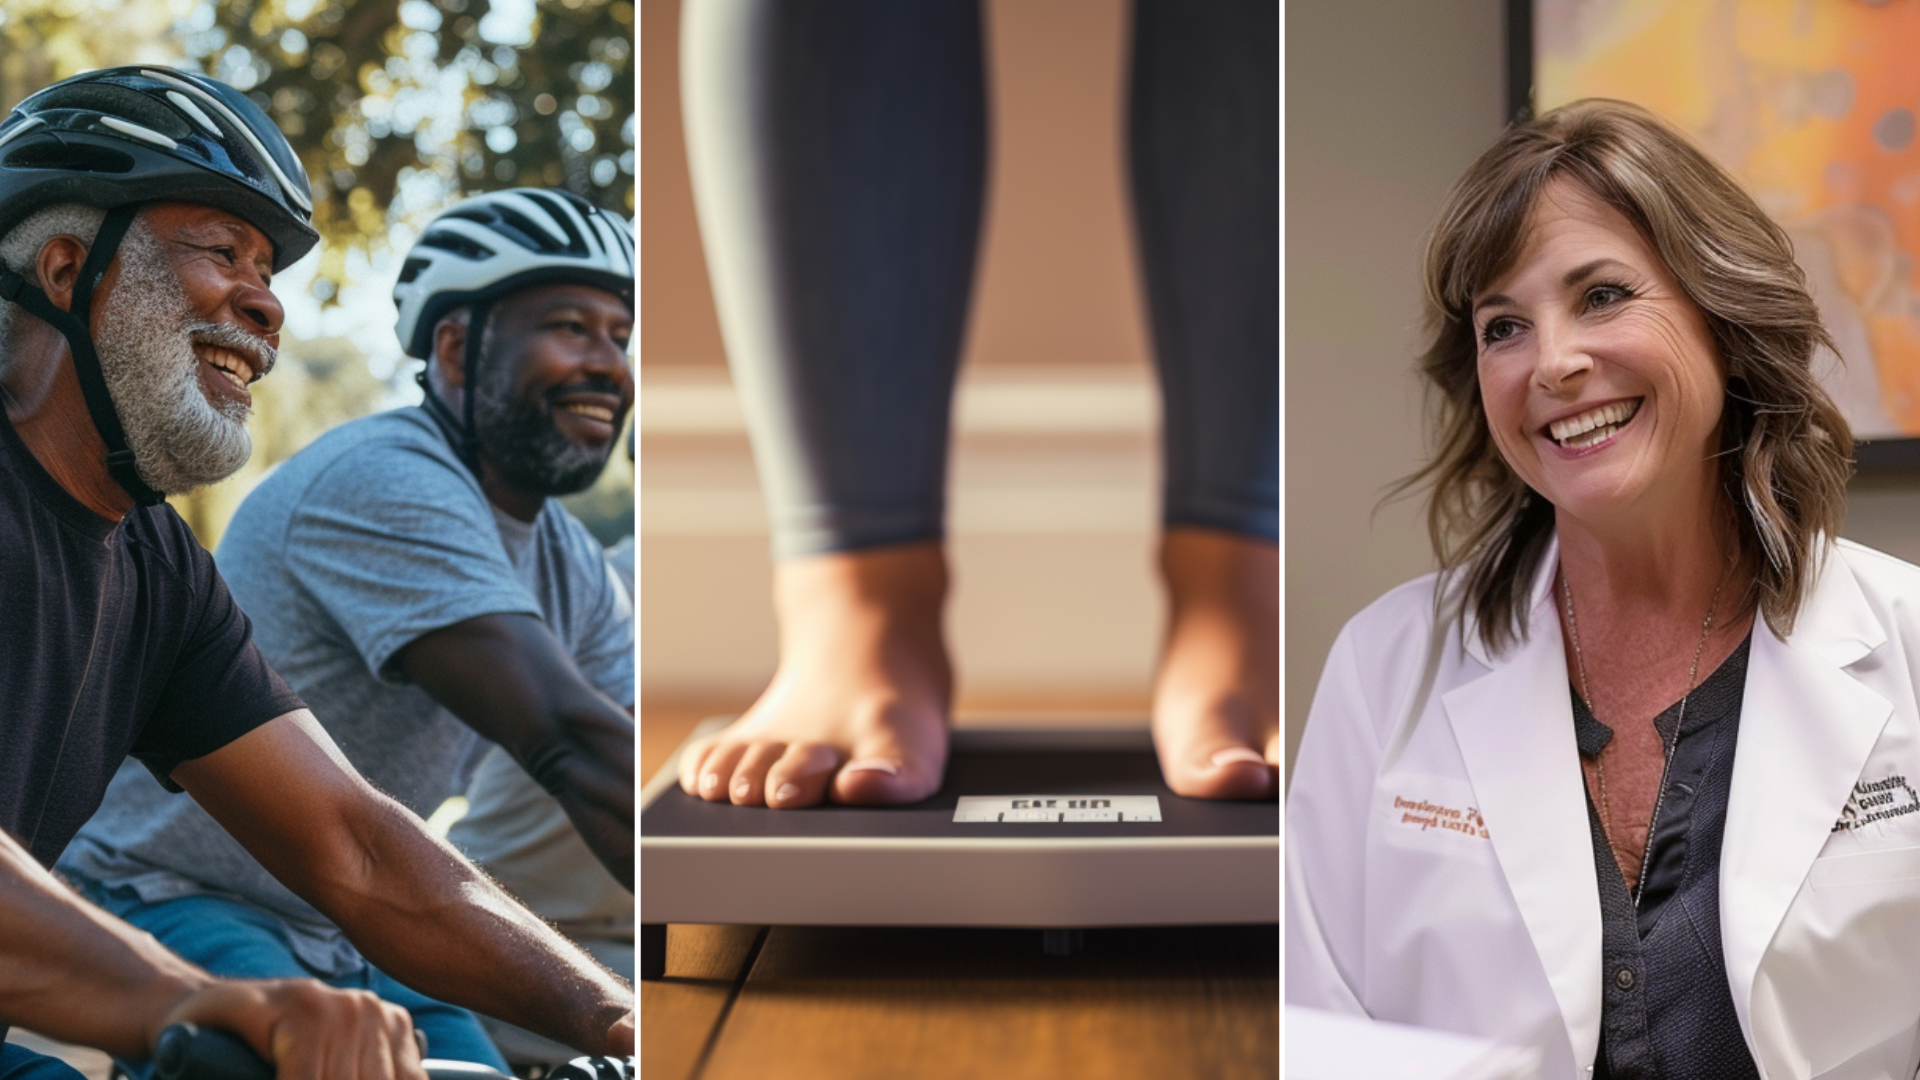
[620,1036]
[308,1031]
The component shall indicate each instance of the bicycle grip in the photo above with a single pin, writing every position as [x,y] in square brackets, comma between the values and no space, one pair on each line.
[191,1052]
[595,1068]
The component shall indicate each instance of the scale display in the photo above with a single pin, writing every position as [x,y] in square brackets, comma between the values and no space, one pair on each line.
[1039,809]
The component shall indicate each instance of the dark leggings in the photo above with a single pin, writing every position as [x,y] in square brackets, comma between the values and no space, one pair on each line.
[838,151]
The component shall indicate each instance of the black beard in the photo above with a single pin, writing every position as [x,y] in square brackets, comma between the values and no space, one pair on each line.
[522,441]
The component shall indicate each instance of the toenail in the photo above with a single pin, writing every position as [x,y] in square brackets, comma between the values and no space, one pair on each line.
[873,765]
[710,781]
[741,789]
[787,791]
[1236,754]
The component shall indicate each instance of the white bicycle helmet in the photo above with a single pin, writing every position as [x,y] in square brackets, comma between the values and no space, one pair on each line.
[494,244]
[491,245]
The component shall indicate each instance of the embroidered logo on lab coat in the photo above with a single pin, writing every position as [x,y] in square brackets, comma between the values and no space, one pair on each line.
[1421,815]
[1877,800]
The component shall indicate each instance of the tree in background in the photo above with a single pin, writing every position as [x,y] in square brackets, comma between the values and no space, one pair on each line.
[397,108]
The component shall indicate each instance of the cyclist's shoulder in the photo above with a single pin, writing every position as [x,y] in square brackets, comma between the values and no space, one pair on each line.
[391,452]
[162,530]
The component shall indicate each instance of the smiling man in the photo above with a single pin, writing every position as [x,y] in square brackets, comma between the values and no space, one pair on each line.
[415,582]
[143,212]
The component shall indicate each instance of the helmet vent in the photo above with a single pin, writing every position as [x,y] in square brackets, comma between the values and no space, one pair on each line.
[536,238]
[560,215]
[457,244]
[411,269]
[68,157]
[107,99]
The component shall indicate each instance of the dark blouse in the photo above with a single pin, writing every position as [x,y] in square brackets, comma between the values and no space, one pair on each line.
[1666,1009]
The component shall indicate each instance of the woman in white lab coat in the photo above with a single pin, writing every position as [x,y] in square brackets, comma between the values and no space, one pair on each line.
[1632,779]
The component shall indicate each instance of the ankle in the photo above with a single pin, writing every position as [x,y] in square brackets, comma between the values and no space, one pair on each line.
[1214,570]
[891,594]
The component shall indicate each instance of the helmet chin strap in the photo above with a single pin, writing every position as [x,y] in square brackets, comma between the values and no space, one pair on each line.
[460,432]
[73,325]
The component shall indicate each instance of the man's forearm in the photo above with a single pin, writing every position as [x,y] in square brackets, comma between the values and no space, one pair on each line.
[597,796]
[419,911]
[73,972]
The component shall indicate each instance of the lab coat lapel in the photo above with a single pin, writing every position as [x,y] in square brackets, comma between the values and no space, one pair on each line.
[1806,728]
[1514,727]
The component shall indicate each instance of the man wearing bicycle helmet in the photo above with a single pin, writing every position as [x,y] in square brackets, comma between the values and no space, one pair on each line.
[143,212]
[411,576]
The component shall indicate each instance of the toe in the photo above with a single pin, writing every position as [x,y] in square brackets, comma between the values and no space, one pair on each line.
[1219,770]
[717,770]
[886,772]
[800,777]
[691,758]
[749,784]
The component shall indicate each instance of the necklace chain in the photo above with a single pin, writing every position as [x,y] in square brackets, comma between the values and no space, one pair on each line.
[1600,759]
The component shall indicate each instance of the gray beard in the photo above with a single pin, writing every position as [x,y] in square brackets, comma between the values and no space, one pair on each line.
[180,440]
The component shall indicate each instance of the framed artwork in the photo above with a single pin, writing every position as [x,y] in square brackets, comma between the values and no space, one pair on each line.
[1814,105]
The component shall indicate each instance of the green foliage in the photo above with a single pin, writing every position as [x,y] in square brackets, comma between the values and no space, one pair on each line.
[397,106]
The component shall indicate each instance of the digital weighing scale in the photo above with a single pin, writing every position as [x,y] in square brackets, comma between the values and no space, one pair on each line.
[1056,829]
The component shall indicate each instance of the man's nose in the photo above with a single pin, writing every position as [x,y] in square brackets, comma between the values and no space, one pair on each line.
[259,309]
[608,357]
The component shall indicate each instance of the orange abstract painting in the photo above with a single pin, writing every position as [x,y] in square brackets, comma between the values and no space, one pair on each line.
[1813,104]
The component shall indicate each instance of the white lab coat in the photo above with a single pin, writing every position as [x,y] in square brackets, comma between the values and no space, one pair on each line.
[1440,867]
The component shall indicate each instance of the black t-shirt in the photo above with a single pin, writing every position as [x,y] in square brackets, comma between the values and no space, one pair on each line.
[115,639]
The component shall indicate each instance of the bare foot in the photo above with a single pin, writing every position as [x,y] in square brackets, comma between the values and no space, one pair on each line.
[857,709]
[1216,700]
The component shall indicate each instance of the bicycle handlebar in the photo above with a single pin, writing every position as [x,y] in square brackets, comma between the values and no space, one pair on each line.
[190,1052]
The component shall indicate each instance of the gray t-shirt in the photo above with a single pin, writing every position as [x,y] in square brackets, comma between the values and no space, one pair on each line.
[370,538]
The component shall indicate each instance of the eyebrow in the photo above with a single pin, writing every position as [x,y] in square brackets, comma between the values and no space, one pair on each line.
[563,304]
[1572,277]
[203,228]
[215,232]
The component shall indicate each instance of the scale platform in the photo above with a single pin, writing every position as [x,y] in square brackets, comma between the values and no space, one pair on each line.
[1065,829]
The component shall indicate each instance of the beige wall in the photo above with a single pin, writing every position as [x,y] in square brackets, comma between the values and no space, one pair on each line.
[677,324]
[1387,103]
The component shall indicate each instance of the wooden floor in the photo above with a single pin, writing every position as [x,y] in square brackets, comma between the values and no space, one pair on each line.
[747,1003]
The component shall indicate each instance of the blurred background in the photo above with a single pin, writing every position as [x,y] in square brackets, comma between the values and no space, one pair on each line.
[1053,505]
[398,108]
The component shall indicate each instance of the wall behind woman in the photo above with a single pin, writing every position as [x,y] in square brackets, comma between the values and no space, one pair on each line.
[1387,104]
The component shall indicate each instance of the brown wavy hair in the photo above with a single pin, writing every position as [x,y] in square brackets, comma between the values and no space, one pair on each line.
[1785,450]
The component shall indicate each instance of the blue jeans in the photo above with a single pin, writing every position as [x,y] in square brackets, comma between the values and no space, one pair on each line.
[839,153]
[239,941]
[19,1063]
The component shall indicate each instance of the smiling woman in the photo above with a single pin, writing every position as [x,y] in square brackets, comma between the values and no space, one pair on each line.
[1647,662]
